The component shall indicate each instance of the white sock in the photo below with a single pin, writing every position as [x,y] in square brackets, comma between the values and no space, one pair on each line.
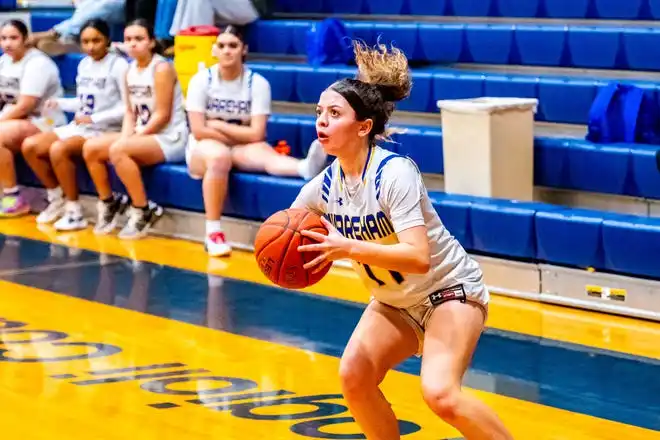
[213,226]
[215,281]
[73,207]
[54,194]
[11,191]
[314,162]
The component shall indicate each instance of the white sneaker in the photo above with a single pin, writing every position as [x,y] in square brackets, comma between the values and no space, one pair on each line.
[108,214]
[53,211]
[140,221]
[71,221]
[216,244]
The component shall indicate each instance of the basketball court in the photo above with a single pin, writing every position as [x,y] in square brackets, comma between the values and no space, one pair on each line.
[103,339]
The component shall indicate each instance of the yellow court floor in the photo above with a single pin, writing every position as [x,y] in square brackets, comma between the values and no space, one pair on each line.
[103,339]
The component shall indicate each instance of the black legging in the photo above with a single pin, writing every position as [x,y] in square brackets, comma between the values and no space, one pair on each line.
[141,9]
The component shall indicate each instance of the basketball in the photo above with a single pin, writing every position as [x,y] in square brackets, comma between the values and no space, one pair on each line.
[276,248]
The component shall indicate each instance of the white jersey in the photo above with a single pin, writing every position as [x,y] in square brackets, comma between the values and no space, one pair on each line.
[142,97]
[235,101]
[390,198]
[100,88]
[33,75]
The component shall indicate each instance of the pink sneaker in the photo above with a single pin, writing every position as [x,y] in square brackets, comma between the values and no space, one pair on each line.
[13,206]
[216,244]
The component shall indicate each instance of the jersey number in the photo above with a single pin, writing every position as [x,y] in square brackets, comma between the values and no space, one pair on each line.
[86,104]
[396,276]
[143,113]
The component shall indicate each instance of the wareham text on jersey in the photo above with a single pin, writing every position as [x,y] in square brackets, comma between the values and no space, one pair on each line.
[368,227]
[230,107]
[140,91]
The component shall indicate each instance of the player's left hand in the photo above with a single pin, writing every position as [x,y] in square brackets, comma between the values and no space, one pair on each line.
[83,119]
[333,246]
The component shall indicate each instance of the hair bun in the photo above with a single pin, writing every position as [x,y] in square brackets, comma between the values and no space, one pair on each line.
[391,93]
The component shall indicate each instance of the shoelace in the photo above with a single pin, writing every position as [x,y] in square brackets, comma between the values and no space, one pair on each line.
[214,236]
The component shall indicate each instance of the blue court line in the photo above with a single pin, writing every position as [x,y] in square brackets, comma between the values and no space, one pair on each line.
[601,383]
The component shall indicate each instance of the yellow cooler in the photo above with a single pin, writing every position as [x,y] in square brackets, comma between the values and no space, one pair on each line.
[192,48]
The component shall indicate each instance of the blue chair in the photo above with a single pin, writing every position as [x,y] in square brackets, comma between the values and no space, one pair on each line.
[570,236]
[641,48]
[594,47]
[631,245]
[274,37]
[441,43]
[610,174]
[504,227]
[281,79]
[242,196]
[401,35]
[390,7]
[182,192]
[511,86]
[447,85]
[472,8]
[275,193]
[618,10]
[285,128]
[654,8]
[489,43]
[7,5]
[644,170]
[312,81]
[551,162]
[540,45]
[424,146]
[68,67]
[566,8]
[308,6]
[454,212]
[347,6]
[45,20]
[428,7]
[362,31]
[420,95]
[566,100]
[306,135]
[519,8]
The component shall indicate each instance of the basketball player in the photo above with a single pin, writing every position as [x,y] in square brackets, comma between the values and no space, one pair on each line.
[28,78]
[428,294]
[228,108]
[98,108]
[154,131]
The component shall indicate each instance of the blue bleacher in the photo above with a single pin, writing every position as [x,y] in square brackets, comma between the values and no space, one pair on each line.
[575,9]
[594,47]
[528,231]
[509,229]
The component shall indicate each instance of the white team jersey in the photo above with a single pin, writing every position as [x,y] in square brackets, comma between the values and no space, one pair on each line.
[34,75]
[233,101]
[99,86]
[391,198]
[142,96]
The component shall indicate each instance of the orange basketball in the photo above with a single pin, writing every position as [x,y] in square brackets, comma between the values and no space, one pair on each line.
[276,248]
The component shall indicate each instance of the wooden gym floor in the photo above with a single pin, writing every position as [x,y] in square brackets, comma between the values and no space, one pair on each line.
[102,339]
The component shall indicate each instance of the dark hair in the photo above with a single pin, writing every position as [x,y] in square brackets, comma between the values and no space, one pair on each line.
[18,25]
[237,31]
[383,79]
[145,24]
[99,25]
